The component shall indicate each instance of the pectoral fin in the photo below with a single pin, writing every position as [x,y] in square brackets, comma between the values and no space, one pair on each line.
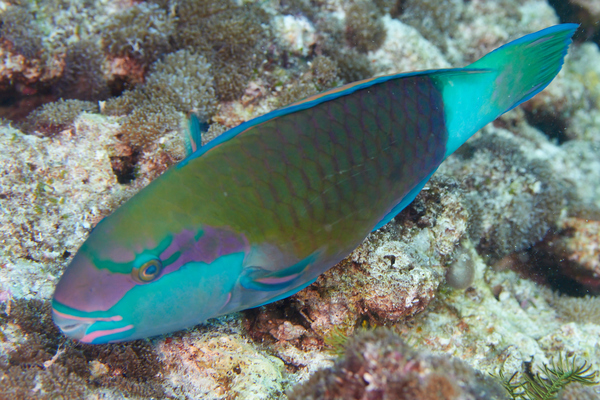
[258,278]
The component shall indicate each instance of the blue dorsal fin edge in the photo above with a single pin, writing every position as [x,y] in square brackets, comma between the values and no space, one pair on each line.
[316,100]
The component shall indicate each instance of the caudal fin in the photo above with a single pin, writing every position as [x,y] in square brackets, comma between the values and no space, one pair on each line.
[502,80]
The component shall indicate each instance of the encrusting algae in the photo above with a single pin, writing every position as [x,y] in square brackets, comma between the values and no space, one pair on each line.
[113,83]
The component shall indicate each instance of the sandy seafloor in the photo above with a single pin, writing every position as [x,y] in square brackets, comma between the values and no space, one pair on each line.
[495,267]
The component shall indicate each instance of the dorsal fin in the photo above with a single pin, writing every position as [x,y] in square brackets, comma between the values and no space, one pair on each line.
[193,139]
[315,100]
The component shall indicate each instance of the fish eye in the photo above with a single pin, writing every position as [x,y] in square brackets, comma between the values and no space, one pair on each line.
[147,272]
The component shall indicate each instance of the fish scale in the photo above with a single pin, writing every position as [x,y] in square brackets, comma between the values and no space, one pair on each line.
[342,169]
[258,213]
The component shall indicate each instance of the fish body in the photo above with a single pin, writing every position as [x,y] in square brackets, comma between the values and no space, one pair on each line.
[263,210]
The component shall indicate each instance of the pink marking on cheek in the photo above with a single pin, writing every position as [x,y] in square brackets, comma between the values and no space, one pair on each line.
[228,298]
[275,281]
[84,319]
[94,335]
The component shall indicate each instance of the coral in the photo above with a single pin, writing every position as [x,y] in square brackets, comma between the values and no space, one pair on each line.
[189,12]
[569,257]
[325,73]
[17,27]
[336,341]
[433,22]
[232,40]
[125,103]
[514,201]
[183,80]
[148,122]
[297,91]
[154,114]
[141,32]
[364,28]
[322,75]
[379,363]
[56,381]
[404,49]
[16,383]
[26,67]
[179,84]
[53,191]
[391,7]
[216,361]
[31,315]
[60,366]
[353,65]
[149,141]
[578,247]
[52,118]
[296,34]
[583,310]
[299,8]
[83,77]
[582,168]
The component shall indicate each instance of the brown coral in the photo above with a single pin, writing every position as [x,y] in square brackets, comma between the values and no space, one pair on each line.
[364,28]
[378,365]
[232,38]
[570,257]
[141,32]
[52,118]
[514,201]
[48,366]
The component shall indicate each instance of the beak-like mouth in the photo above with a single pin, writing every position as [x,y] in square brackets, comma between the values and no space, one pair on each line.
[73,327]
[78,328]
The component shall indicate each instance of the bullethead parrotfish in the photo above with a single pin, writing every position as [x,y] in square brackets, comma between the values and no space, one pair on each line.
[260,212]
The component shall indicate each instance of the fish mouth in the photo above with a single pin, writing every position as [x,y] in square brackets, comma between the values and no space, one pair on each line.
[78,328]
[73,327]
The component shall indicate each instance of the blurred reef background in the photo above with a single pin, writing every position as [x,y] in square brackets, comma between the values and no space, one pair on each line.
[494,268]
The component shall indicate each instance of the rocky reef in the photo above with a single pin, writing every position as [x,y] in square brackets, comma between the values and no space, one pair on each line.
[493,268]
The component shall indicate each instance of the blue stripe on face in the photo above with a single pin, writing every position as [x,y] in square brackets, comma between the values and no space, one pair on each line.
[178,300]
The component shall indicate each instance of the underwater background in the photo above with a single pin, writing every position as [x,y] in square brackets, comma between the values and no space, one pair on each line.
[491,276]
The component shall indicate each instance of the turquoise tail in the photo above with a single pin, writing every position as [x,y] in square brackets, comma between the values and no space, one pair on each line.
[501,80]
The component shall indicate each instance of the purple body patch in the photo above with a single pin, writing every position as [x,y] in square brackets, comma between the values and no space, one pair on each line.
[213,244]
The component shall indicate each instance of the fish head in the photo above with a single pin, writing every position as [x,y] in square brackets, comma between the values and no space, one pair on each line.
[121,286]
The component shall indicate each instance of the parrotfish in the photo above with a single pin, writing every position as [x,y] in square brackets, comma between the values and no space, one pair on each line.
[260,212]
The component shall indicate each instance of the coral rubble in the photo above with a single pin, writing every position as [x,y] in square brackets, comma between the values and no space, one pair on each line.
[378,364]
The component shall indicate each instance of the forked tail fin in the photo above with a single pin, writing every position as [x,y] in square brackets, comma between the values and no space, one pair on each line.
[502,80]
